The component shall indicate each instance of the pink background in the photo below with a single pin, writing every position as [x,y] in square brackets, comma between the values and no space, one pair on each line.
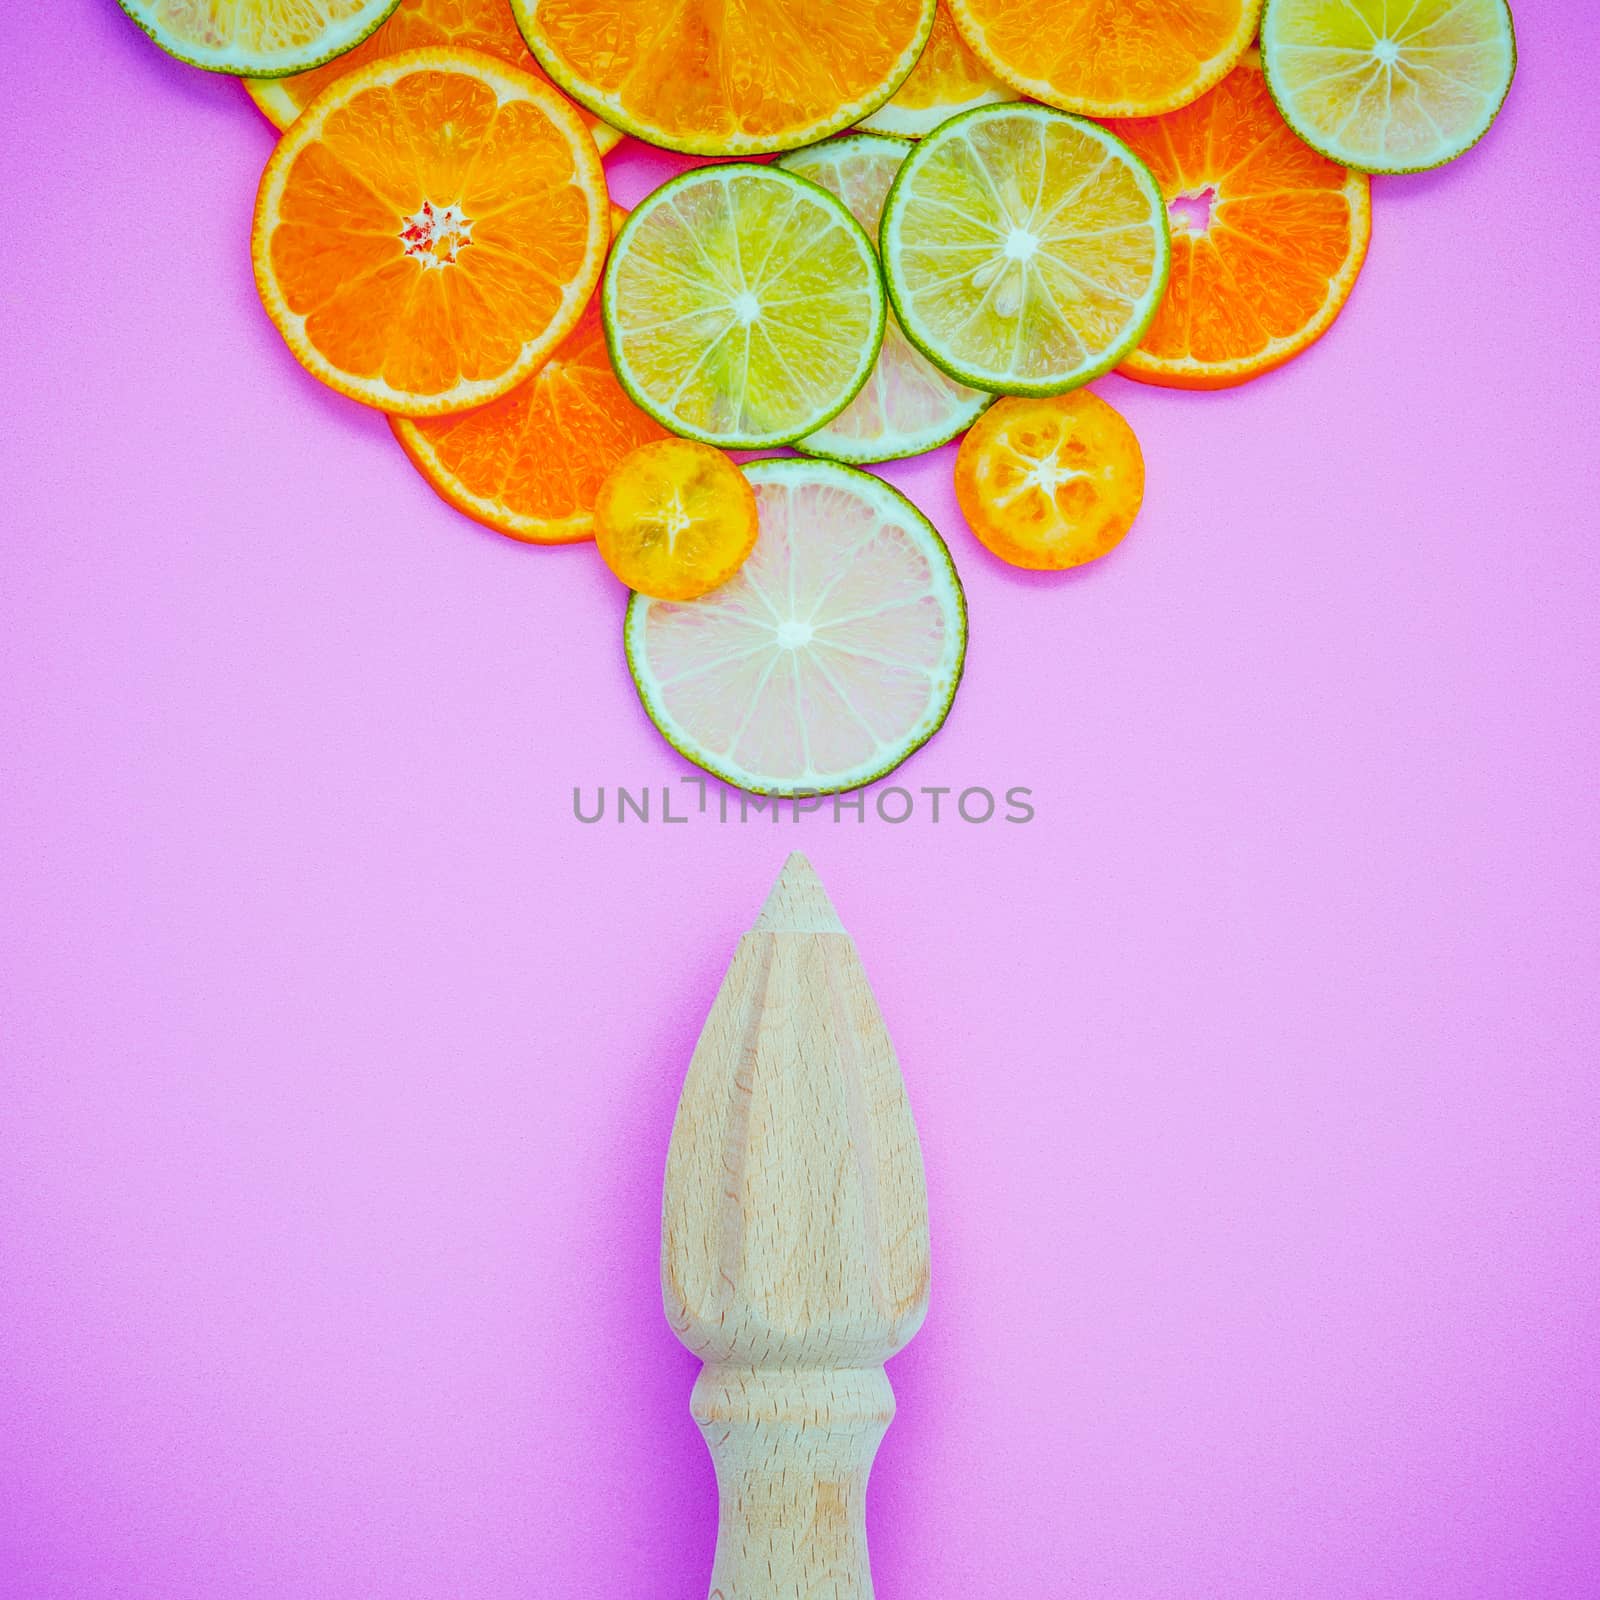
[1256,1075]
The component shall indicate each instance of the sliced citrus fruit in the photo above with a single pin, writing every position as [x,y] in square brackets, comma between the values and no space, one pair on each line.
[1388,87]
[675,518]
[531,463]
[1050,483]
[261,38]
[946,79]
[828,658]
[728,79]
[907,405]
[743,305]
[429,230]
[485,25]
[1109,58]
[1267,237]
[1025,250]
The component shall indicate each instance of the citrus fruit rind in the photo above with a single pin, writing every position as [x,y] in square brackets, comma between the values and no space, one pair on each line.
[1268,237]
[832,654]
[762,76]
[1025,250]
[435,266]
[257,38]
[743,306]
[1051,483]
[485,25]
[1108,58]
[907,405]
[1382,92]
[947,79]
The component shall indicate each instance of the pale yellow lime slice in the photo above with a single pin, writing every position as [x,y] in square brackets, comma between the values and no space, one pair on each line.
[828,657]
[1025,250]
[743,306]
[1386,86]
[258,38]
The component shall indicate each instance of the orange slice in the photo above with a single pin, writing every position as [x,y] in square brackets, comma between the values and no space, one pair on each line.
[674,519]
[1267,237]
[1109,58]
[717,79]
[1050,483]
[946,79]
[430,230]
[485,25]
[531,463]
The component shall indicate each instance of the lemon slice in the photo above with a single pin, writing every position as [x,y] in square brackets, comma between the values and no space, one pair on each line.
[1389,88]
[908,405]
[1026,250]
[257,38]
[743,306]
[829,657]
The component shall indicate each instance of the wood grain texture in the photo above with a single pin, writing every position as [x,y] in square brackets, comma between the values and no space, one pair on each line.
[794,1248]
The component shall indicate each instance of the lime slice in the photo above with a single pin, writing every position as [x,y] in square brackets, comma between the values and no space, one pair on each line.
[831,655]
[907,405]
[743,306]
[1385,87]
[257,38]
[1026,250]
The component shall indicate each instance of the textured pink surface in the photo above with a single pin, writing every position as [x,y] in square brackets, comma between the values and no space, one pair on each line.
[1256,1074]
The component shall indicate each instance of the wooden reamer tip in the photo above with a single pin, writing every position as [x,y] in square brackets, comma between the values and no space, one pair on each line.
[794,1248]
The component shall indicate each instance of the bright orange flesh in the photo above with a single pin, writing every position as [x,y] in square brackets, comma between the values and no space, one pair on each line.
[721,79]
[1267,237]
[1109,58]
[531,463]
[675,518]
[485,25]
[1050,483]
[946,79]
[429,230]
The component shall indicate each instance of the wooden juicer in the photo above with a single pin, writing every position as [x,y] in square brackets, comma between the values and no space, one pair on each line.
[794,1248]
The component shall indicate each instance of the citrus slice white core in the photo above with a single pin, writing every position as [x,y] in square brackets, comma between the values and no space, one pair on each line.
[828,658]
[258,38]
[743,306]
[1026,250]
[1384,87]
[907,405]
